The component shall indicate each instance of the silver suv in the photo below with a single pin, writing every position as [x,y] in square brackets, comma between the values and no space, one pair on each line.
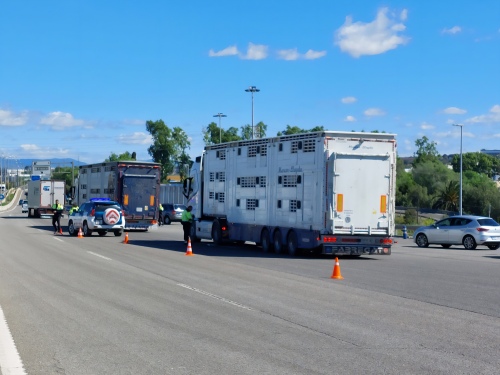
[99,215]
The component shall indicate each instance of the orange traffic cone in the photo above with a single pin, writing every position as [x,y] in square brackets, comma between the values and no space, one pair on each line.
[125,240]
[80,233]
[336,270]
[189,251]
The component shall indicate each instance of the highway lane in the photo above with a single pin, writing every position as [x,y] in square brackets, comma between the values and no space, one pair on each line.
[95,305]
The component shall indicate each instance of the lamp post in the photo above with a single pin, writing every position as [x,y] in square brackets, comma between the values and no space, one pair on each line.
[252,89]
[219,115]
[461,132]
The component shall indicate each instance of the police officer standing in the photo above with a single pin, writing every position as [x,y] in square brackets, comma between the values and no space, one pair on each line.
[160,220]
[56,217]
[186,221]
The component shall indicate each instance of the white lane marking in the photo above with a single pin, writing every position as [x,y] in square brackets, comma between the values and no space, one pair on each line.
[98,255]
[57,239]
[214,296]
[10,361]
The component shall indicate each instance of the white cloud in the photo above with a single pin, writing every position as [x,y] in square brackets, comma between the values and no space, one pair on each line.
[228,51]
[350,119]
[426,126]
[453,30]
[293,54]
[313,55]
[348,100]
[374,38]
[32,150]
[288,54]
[454,111]
[9,118]
[136,138]
[370,112]
[61,120]
[492,117]
[255,52]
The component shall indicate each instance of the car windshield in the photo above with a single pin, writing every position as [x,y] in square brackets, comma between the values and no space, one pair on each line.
[179,207]
[487,222]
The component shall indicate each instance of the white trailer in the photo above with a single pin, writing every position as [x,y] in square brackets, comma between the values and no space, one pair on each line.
[42,194]
[329,192]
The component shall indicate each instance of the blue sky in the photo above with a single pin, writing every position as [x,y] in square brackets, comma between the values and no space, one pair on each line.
[79,78]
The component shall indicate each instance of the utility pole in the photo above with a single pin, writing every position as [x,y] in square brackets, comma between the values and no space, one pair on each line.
[252,89]
[219,115]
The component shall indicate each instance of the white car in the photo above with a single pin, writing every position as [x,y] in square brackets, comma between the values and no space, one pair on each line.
[24,207]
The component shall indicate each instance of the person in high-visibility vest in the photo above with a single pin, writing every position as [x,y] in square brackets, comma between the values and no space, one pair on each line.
[160,216]
[73,208]
[56,217]
[186,220]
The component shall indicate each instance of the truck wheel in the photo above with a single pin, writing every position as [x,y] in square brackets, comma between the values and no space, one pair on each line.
[86,231]
[192,233]
[277,241]
[292,243]
[118,233]
[216,233]
[265,241]
[71,228]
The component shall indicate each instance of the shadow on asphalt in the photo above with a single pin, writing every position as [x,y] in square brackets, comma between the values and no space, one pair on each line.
[228,250]
[492,256]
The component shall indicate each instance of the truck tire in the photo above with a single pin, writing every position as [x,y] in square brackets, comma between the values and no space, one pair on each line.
[265,241]
[192,234]
[86,231]
[71,228]
[292,243]
[216,233]
[277,241]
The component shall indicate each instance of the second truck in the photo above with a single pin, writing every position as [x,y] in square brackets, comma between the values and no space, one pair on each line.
[133,184]
[327,192]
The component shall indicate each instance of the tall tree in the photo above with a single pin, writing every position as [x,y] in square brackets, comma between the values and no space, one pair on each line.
[248,133]
[477,162]
[122,157]
[168,145]
[296,130]
[212,134]
[426,151]
[448,197]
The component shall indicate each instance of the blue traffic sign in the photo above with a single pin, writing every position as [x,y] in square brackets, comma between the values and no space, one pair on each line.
[2,196]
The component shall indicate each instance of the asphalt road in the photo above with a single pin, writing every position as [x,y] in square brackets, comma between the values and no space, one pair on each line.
[98,306]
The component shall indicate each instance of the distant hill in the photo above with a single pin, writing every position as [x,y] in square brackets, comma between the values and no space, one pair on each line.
[55,162]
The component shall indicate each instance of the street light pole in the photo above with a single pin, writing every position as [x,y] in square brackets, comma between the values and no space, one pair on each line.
[461,132]
[219,115]
[252,89]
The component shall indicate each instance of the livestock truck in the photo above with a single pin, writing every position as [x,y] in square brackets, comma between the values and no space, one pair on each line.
[327,192]
[42,195]
[133,184]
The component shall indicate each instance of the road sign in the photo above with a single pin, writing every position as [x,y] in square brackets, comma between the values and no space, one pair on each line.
[2,196]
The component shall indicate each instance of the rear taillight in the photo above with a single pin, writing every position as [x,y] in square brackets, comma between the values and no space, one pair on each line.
[482,229]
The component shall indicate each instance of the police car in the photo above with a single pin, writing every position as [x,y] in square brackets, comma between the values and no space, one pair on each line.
[100,215]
